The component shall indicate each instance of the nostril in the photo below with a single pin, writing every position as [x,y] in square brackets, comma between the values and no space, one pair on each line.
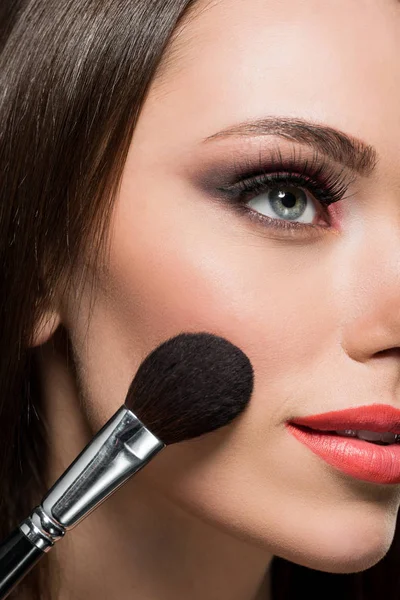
[395,352]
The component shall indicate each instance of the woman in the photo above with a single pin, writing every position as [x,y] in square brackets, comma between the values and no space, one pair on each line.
[228,166]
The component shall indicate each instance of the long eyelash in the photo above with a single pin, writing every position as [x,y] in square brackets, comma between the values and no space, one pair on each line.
[326,183]
[324,179]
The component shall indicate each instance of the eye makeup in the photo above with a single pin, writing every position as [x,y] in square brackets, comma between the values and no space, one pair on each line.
[321,180]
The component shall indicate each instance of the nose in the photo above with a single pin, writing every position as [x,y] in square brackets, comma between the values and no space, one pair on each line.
[372,327]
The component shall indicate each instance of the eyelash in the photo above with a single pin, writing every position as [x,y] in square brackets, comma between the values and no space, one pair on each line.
[325,184]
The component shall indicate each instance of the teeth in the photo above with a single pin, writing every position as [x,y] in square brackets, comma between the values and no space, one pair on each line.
[373,436]
[385,437]
[347,432]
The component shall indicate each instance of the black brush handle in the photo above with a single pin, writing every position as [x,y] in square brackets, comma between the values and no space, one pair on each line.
[17,556]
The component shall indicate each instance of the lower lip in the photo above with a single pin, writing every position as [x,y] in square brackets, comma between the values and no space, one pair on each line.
[354,457]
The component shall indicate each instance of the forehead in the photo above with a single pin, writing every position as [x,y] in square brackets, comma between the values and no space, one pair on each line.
[334,62]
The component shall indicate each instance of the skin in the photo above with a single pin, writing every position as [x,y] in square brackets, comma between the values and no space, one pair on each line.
[314,315]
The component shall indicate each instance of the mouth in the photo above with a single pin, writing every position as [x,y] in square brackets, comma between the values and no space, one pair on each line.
[362,442]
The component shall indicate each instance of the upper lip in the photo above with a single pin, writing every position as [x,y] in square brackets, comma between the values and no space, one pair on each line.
[374,417]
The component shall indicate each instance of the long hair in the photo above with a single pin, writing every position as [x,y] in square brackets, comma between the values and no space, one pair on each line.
[73,78]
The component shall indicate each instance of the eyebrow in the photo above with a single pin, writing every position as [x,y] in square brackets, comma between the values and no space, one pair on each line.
[342,148]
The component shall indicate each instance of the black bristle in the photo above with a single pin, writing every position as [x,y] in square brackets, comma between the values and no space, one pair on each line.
[189,385]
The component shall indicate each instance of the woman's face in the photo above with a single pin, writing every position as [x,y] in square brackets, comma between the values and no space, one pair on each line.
[313,307]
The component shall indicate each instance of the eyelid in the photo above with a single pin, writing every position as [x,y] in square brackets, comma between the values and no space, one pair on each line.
[292,159]
[227,169]
[217,179]
[323,193]
[326,183]
[325,180]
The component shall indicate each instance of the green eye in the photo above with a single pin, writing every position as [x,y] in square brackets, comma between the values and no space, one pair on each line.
[285,202]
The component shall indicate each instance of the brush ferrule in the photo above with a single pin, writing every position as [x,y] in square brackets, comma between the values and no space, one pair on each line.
[42,531]
[120,449]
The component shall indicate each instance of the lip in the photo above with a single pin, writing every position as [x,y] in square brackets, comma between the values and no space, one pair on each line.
[357,458]
[374,417]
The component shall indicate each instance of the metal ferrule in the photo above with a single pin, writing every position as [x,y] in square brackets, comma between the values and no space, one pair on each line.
[120,449]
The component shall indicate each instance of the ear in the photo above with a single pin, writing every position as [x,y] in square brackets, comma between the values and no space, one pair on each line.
[45,327]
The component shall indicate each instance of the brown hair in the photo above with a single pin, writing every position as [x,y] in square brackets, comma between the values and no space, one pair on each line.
[74,76]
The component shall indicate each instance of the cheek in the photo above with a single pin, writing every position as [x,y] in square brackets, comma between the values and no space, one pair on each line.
[179,263]
[196,267]
[187,265]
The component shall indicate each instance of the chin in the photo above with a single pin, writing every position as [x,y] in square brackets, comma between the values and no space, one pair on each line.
[340,562]
[344,547]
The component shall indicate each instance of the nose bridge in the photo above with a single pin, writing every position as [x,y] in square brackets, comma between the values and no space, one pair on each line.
[371,279]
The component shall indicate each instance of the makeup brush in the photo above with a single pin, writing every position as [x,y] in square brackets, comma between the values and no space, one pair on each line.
[188,386]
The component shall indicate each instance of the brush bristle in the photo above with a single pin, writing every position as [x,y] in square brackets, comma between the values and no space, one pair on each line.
[190,385]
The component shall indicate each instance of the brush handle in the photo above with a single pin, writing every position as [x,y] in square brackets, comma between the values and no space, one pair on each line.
[122,447]
[17,556]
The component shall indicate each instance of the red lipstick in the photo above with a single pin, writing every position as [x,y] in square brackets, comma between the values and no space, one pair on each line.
[355,457]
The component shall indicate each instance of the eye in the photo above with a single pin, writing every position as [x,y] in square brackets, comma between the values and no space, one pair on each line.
[285,202]
[292,197]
